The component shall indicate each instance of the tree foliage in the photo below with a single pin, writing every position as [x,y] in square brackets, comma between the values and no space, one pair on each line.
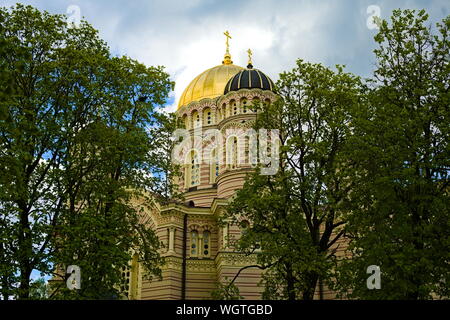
[296,214]
[76,153]
[400,166]
[226,291]
[365,160]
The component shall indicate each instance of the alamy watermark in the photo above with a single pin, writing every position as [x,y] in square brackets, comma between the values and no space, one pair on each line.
[73,16]
[74,280]
[374,19]
[374,280]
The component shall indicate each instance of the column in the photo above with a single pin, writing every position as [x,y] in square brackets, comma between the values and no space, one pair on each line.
[172,239]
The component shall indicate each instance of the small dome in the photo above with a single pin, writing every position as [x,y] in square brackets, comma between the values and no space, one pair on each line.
[249,79]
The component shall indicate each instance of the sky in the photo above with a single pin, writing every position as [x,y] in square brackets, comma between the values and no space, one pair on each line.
[186,36]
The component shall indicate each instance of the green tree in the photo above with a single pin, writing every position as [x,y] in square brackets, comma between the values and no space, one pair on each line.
[8,278]
[164,171]
[39,289]
[296,214]
[110,162]
[400,150]
[226,291]
[76,154]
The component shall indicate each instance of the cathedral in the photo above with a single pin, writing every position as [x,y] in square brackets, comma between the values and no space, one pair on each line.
[198,250]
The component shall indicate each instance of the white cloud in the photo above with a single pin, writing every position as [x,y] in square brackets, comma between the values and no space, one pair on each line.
[187,36]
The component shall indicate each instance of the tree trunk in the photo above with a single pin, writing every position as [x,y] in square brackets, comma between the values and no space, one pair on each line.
[26,251]
[308,294]
[290,282]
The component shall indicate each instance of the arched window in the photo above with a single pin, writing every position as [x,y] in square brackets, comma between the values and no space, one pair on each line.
[194,243]
[196,119]
[214,166]
[244,106]
[126,276]
[247,150]
[207,116]
[186,122]
[244,225]
[234,153]
[231,107]
[206,243]
[130,278]
[194,170]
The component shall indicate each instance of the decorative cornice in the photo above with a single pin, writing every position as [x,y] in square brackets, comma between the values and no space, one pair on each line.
[180,208]
[202,225]
[233,172]
[234,259]
[235,121]
[245,93]
[201,265]
[216,102]
[198,106]
[173,263]
[218,206]
[192,265]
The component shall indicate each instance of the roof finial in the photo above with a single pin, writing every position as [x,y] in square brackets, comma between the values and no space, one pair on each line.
[227,57]
[227,34]
[250,65]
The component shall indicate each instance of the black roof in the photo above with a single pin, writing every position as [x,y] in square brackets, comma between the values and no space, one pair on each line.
[249,79]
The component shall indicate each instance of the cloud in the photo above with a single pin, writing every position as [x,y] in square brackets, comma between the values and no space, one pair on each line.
[187,36]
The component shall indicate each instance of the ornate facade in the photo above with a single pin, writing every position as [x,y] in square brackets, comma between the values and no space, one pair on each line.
[215,108]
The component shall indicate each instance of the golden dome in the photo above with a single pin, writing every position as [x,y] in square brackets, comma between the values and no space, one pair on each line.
[209,84]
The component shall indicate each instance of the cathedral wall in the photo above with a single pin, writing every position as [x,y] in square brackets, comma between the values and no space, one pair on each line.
[207,261]
[178,246]
[230,181]
[341,251]
[201,198]
[169,288]
[201,279]
[205,174]
[229,264]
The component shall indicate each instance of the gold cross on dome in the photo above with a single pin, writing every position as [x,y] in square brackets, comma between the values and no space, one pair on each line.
[249,56]
[227,34]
